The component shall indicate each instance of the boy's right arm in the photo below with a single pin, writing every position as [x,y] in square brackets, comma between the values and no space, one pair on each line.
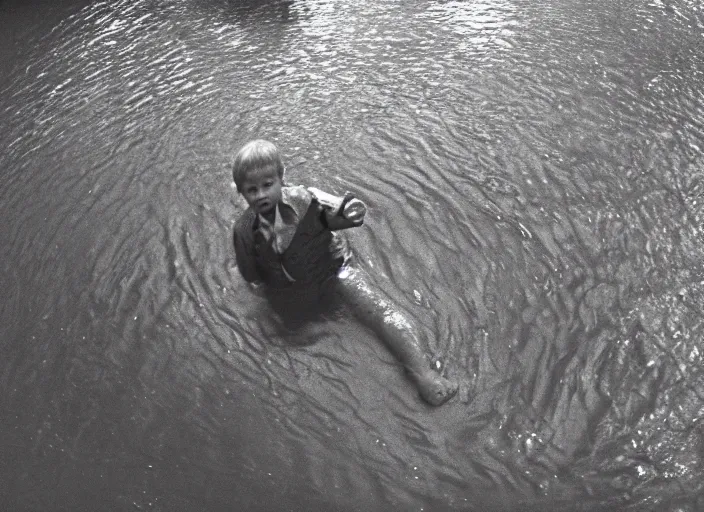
[244,254]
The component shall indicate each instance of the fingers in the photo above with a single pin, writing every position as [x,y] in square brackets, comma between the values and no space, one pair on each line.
[354,209]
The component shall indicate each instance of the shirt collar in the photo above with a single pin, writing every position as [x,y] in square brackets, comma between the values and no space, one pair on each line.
[287,214]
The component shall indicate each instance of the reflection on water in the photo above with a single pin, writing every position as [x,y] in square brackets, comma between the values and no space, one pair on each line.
[535,181]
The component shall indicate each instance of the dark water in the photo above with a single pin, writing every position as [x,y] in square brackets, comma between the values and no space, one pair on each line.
[535,179]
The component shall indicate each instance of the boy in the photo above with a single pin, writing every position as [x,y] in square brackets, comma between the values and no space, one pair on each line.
[287,240]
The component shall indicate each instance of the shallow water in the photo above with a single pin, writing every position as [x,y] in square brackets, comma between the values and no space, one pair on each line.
[535,179]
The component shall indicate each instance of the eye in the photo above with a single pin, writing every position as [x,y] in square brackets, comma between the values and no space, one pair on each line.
[251,190]
[268,184]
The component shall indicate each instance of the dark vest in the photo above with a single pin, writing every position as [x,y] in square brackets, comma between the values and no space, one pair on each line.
[314,254]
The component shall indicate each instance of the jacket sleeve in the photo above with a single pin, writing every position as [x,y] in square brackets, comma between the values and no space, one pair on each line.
[244,249]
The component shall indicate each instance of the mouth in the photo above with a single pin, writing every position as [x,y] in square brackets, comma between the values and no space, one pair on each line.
[263,206]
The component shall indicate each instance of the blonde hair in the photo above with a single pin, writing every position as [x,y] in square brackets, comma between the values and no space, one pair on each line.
[256,154]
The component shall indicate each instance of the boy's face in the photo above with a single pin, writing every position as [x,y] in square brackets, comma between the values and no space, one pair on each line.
[262,190]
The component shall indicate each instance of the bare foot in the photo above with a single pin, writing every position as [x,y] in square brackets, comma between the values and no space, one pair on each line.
[434,388]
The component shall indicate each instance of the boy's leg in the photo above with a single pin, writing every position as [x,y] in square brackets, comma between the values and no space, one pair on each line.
[397,331]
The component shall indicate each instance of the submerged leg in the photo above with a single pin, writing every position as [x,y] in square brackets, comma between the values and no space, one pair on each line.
[398,333]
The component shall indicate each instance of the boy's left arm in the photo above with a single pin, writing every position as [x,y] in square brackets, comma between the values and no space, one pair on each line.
[340,212]
[349,215]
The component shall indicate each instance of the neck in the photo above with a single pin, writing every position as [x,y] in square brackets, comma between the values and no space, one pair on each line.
[270,215]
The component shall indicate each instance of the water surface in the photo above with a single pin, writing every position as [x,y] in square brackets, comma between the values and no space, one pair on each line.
[534,176]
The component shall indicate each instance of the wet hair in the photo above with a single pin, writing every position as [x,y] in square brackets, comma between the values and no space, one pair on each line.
[256,154]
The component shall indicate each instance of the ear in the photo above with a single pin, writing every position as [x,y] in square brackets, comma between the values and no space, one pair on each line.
[241,202]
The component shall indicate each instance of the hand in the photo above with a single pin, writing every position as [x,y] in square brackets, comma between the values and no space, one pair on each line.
[257,288]
[354,211]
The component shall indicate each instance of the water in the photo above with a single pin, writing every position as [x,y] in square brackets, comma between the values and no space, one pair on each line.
[535,179]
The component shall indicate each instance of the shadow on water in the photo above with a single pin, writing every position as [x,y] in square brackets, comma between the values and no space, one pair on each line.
[25,21]
[534,180]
